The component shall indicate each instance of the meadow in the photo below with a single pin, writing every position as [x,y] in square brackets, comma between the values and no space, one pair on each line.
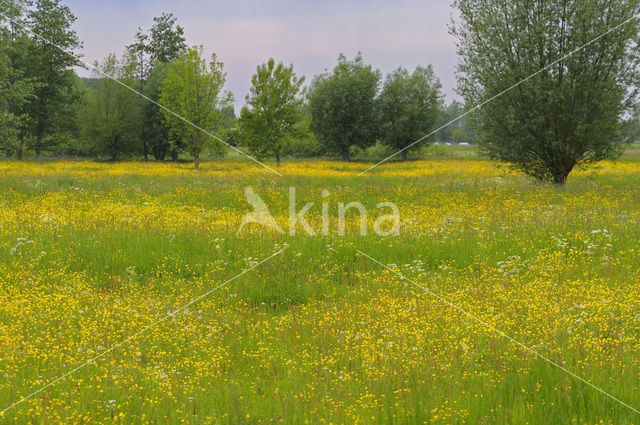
[91,253]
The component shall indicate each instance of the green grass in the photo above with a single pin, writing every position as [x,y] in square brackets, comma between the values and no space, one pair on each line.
[320,334]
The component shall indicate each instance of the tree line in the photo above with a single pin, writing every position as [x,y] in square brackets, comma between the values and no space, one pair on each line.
[547,85]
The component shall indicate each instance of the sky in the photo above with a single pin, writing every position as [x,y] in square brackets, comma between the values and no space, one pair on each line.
[309,34]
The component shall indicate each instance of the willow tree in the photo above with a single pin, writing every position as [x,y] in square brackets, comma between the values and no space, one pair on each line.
[558,78]
[343,106]
[409,106]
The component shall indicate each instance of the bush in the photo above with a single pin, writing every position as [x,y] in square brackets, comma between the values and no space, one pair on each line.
[375,152]
[303,147]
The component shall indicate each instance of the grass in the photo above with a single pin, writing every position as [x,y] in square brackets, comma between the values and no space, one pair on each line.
[91,253]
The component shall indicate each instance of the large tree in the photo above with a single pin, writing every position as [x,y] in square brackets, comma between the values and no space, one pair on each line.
[51,109]
[153,49]
[193,89]
[15,86]
[156,131]
[272,109]
[409,106]
[572,92]
[342,103]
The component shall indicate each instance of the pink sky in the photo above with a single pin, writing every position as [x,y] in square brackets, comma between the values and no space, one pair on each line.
[309,34]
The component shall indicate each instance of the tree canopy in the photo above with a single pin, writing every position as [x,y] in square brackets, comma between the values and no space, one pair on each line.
[52,57]
[193,89]
[571,94]
[343,106]
[409,106]
[153,49]
[272,109]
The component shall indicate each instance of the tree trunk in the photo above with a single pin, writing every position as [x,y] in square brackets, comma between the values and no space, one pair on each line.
[345,154]
[278,157]
[404,155]
[174,156]
[196,162]
[561,173]
[560,179]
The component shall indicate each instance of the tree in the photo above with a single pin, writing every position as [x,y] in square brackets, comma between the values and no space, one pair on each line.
[572,94]
[458,135]
[8,123]
[164,43]
[272,109]
[409,106]
[193,89]
[155,130]
[301,143]
[449,113]
[15,87]
[110,116]
[343,112]
[51,108]
[140,49]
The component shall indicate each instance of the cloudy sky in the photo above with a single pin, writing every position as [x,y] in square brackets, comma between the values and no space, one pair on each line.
[307,33]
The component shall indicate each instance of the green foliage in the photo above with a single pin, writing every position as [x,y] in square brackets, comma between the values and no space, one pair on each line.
[449,113]
[458,135]
[166,39]
[15,86]
[193,89]
[112,111]
[409,106]
[272,110]
[156,133]
[51,109]
[567,113]
[164,43]
[376,152]
[302,143]
[343,106]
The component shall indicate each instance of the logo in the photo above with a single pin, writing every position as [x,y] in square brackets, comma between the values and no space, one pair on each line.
[260,214]
[297,218]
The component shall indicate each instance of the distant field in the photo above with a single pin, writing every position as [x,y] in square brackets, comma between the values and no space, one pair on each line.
[91,253]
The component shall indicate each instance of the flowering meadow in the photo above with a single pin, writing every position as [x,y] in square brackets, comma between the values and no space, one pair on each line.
[94,253]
